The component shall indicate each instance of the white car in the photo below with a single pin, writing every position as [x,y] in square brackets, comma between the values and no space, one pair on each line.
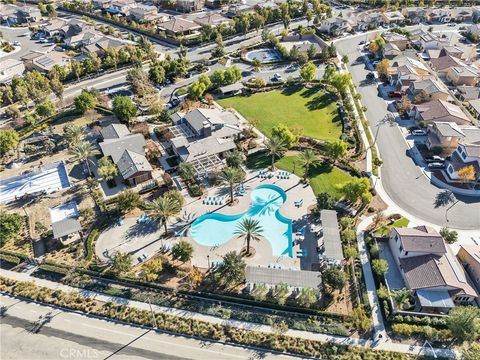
[419,132]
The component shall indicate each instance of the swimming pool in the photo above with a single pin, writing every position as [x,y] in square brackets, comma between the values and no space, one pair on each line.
[216,229]
[264,55]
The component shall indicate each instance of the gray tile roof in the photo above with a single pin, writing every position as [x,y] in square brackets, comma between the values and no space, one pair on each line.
[295,278]
[131,163]
[448,129]
[114,131]
[116,147]
[331,235]
[65,227]
[421,239]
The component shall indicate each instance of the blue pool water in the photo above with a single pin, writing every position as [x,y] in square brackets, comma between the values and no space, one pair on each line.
[264,55]
[216,229]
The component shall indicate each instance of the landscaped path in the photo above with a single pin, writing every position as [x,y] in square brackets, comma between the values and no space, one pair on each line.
[386,346]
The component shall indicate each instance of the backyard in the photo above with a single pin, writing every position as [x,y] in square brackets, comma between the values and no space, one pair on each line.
[385,229]
[311,110]
[323,178]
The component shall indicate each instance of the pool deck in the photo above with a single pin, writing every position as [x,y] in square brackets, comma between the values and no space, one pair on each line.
[295,191]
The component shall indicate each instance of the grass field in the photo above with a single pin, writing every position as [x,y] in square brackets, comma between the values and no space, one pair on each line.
[385,229]
[297,107]
[323,178]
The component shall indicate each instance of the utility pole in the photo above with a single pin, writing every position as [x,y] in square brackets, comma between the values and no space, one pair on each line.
[155,325]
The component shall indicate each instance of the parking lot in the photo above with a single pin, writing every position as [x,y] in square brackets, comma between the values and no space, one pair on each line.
[22,35]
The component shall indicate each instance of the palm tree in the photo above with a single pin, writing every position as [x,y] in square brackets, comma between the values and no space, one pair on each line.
[402,298]
[308,158]
[163,208]
[73,134]
[257,64]
[235,159]
[276,147]
[186,171]
[82,151]
[231,176]
[249,229]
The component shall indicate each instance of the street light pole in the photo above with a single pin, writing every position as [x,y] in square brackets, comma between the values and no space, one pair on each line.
[208,261]
[153,314]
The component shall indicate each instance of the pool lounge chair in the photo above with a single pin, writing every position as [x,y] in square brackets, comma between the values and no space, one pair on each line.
[298,203]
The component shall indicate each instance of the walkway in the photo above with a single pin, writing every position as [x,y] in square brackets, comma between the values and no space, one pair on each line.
[386,346]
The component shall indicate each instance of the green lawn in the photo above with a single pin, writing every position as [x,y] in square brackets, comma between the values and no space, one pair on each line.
[310,109]
[385,229]
[323,178]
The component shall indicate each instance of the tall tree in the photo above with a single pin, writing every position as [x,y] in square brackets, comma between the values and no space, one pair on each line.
[308,159]
[308,72]
[402,298]
[186,171]
[163,208]
[107,169]
[276,147]
[127,200]
[231,176]
[8,140]
[464,323]
[73,134]
[233,268]
[336,149]
[249,229]
[124,108]
[182,251]
[122,263]
[83,151]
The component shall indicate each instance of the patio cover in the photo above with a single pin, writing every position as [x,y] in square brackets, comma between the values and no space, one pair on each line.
[295,278]
[331,235]
[435,298]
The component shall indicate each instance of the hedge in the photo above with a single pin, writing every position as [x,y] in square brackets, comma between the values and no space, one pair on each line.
[193,327]
[92,237]
[10,258]
[427,332]
[265,316]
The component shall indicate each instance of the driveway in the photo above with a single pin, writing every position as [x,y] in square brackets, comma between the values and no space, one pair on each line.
[404,182]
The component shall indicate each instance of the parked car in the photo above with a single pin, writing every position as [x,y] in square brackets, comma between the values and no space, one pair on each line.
[370,76]
[419,132]
[277,77]
[394,94]
[434,158]
[16,43]
[362,42]
[452,25]
[436,166]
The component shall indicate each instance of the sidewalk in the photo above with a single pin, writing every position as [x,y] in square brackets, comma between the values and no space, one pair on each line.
[386,346]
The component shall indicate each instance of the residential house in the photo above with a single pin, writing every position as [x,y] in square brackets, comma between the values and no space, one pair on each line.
[187,5]
[430,89]
[45,62]
[127,151]
[463,75]
[238,9]
[443,64]
[100,45]
[27,15]
[333,26]
[202,137]
[430,269]
[465,93]
[462,14]
[424,40]
[401,41]
[475,13]
[121,7]
[469,256]
[414,15]
[66,225]
[179,27]
[144,13]
[474,107]
[390,51]
[303,42]
[366,21]
[440,110]
[474,30]
[466,154]
[101,4]
[54,27]
[213,4]
[213,20]
[451,50]
[10,68]
[393,17]
[439,15]
[444,135]
[406,69]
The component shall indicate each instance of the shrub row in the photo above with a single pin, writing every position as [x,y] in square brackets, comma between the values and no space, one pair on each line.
[10,258]
[438,322]
[192,327]
[427,332]
[92,237]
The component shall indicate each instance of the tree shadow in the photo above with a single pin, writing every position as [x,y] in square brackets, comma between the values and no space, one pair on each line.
[323,168]
[290,90]
[443,199]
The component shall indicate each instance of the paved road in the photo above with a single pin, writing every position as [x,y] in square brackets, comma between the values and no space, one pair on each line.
[403,181]
[70,335]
